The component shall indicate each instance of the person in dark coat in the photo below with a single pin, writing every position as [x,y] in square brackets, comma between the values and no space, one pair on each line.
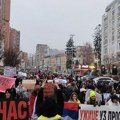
[48,109]
[57,95]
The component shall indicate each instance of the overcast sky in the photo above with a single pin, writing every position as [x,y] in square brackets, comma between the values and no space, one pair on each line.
[52,21]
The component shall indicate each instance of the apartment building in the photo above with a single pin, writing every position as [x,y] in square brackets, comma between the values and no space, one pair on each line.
[42,50]
[14,41]
[55,63]
[110,52]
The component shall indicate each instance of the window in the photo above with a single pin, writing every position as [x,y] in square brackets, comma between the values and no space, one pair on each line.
[118,45]
[118,34]
[105,41]
[105,50]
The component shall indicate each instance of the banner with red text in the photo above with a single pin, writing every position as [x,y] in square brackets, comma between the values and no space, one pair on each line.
[14,110]
[6,82]
[89,112]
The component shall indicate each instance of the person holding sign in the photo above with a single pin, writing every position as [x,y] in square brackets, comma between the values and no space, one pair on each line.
[56,94]
[49,110]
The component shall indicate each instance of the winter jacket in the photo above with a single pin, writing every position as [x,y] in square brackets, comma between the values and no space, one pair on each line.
[57,117]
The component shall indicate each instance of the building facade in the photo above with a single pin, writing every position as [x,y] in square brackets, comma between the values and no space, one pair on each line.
[55,63]
[32,61]
[24,61]
[42,50]
[14,42]
[110,53]
[5,4]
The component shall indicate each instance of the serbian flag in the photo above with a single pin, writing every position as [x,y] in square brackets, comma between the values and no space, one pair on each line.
[71,110]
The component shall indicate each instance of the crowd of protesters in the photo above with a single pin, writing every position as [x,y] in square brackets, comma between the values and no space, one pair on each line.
[42,107]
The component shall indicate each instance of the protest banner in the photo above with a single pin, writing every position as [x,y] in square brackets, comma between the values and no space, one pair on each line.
[6,82]
[89,112]
[13,110]
[9,71]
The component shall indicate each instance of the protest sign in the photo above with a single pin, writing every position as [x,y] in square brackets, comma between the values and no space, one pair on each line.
[89,112]
[22,74]
[6,82]
[14,110]
[61,81]
[9,71]
[48,89]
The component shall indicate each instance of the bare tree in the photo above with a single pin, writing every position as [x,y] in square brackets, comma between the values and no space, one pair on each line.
[87,53]
[11,58]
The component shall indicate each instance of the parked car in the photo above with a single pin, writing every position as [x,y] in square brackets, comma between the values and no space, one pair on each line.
[108,79]
[87,77]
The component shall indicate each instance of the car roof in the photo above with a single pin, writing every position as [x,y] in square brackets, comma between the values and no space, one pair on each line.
[101,77]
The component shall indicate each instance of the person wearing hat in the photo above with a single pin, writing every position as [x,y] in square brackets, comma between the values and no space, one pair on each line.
[92,98]
[114,101]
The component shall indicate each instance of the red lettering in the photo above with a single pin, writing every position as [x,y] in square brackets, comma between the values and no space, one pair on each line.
[85,115]
[12,113]
[96,115]
[88,115]
[3,109]
[22,114]
[81,114]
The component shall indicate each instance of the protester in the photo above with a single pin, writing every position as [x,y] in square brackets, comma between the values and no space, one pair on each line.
[82,95]
[32,103]
[49,110]
[92,99]
[13,91]
[8,94]
[74,98]
[20,90]
[57,95]
[114,101]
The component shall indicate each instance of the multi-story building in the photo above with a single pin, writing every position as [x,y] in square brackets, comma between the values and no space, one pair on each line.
[14,42]
[110,53]
[24,60]
[4,19]
[42,50]
[55,63]
[32,61]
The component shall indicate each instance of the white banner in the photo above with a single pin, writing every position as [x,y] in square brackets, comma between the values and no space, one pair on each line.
[22,74]
[89,112]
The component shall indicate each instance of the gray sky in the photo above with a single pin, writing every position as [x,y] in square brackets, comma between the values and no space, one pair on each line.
[52,21]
